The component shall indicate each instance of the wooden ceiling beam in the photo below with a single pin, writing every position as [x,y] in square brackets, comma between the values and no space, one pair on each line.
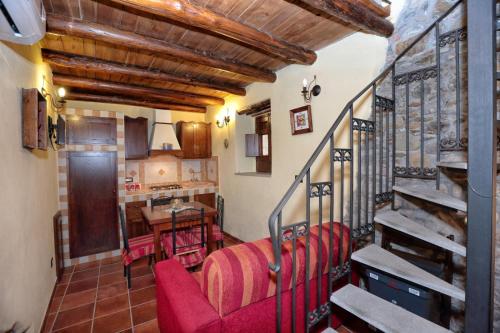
[350,12]
[108,34]
[187,13]
[376,8]
[76,62]
[90,97]
[169,96]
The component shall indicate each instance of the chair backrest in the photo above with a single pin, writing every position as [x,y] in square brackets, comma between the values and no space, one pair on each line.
[188,230]
[123,226]
[220,212]
[161,201]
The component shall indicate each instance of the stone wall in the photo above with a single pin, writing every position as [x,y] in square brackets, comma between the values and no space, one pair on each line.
[415,17]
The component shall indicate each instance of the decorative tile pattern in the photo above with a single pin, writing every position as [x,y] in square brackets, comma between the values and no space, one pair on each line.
[62,178]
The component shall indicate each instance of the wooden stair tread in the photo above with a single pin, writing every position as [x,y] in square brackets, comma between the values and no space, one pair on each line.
[431,195]
[380,313]
[378,258]
[403,224]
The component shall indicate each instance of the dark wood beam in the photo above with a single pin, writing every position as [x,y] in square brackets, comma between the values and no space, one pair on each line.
[169,96]
[263,106]
[62,60]
[90,97]
[111,35]
[183,11]
[348,12]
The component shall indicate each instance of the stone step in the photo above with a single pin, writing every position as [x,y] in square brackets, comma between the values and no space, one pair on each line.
[403,224]
[380,313]
[329,330]
[457,165]
[383,260]
[431,195]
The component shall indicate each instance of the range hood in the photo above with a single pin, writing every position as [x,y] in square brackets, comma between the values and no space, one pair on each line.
[163,136]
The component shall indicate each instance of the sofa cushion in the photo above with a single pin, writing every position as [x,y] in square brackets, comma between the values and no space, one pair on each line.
[239,275]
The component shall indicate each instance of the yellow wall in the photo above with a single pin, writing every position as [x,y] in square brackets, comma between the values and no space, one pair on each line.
[28,198]
[343,69]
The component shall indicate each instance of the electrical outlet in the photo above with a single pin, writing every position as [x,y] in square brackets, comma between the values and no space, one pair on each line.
[51,262]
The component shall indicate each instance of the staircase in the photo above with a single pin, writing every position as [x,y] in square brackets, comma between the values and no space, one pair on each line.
[366,180]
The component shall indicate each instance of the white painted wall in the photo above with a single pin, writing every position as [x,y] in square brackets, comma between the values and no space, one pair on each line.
[343,69]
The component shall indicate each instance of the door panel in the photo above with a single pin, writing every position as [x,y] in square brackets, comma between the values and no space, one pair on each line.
[93,200]
[92,131]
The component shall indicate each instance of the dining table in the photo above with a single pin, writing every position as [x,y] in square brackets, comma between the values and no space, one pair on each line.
[159,218]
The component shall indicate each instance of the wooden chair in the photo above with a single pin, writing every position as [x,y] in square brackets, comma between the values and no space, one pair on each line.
[218,230]
[134,248]
[187,241]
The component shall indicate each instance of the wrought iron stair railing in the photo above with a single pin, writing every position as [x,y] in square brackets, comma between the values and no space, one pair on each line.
[367,168]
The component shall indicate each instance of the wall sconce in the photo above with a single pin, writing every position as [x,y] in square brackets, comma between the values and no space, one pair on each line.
[224,122]
[310,90]
[57,104]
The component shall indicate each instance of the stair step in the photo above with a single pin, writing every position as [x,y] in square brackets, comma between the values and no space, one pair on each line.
[329,330]
[403,224]
[383,260]
[434,196]
[457,165]
[380,313]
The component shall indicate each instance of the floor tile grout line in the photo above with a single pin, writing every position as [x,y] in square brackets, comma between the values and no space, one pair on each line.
[62,299]
[130,308]
[148,321]
[95,298]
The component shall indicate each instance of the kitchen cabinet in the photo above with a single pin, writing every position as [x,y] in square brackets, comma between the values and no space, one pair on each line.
[136,138]
[195,139]
[136,225]
[91,131]
[206,199]
[92,203]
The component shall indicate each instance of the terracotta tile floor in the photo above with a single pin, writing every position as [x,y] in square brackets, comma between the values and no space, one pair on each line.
[93,297]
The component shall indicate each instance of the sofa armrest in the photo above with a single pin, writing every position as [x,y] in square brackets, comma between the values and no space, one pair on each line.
[181,306]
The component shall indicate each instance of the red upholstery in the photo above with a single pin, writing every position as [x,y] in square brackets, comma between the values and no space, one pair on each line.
[182,238]
[237,292]
[139,247]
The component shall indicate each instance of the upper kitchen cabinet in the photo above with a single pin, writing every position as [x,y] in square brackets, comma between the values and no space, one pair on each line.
[136,138]
[91,131]
[195,139]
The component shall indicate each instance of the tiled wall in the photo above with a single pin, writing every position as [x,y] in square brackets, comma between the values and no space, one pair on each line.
[62,174]
[170,169]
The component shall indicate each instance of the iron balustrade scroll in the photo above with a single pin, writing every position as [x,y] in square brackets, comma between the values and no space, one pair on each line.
[361,176]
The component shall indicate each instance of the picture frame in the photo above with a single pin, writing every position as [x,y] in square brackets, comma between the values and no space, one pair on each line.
[301,120]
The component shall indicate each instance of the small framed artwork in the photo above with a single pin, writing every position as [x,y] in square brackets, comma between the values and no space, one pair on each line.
[301,120]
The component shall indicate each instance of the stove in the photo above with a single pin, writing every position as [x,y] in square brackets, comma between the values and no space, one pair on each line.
[165,187]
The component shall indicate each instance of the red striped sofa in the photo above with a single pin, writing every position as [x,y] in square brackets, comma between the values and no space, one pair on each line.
[235,291]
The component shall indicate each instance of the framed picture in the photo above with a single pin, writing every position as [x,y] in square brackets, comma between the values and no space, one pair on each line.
[301,120]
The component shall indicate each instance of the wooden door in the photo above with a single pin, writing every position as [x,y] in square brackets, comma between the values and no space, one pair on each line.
[136,138]
[92,203]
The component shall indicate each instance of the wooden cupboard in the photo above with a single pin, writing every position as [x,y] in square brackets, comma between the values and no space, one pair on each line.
[35,131]
[136,225]
[92,202]
[195,139]
[136,138]
[206,199]
[91,131]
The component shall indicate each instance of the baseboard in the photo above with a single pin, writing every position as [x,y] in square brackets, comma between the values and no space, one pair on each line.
[234,239]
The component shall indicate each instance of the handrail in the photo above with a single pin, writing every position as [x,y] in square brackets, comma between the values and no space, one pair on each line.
[298,179]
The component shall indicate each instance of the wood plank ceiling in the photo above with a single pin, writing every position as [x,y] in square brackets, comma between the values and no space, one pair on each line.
[188,54]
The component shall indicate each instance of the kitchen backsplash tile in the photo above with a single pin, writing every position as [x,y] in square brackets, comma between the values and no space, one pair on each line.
[191,169]
[170,169]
